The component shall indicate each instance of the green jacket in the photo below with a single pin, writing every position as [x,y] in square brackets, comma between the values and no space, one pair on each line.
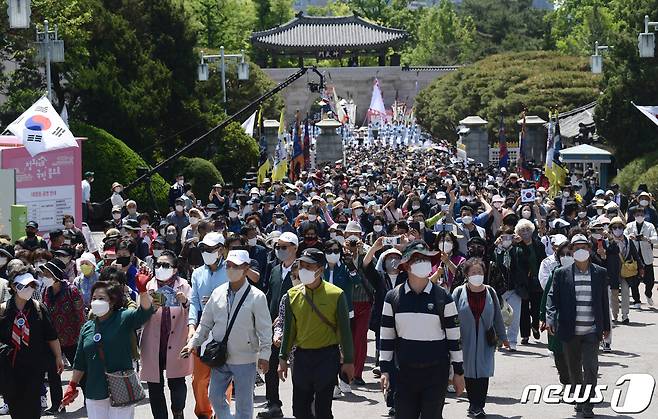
[554,344]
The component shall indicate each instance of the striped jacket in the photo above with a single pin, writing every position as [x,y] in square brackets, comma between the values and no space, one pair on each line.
[412,329]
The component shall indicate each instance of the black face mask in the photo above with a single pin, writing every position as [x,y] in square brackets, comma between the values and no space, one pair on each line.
[123,261]
[477,253]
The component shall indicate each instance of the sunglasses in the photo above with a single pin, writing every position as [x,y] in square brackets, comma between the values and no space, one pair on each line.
[334,251]
[209,249]
[165,265]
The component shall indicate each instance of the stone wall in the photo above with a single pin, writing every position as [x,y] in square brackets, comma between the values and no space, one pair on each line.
[356,83]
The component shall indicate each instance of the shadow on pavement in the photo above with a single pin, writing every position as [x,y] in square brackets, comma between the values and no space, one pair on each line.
[524,353]
[501,400]
[354,398]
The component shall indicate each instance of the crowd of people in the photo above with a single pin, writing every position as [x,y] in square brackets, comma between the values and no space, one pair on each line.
[441,258]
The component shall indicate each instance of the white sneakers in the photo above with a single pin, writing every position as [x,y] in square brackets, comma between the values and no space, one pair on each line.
[344,387]
[4,409]
[638,305]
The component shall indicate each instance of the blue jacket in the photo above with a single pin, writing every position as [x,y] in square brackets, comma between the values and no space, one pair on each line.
[343,280]
[561,301]
[478,354]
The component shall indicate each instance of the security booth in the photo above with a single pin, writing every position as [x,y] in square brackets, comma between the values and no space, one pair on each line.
[585,156]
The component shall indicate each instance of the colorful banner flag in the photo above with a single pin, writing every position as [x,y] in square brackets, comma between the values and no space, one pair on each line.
[377,110]
[264,164]
[41,129]
[650,112]
[503,154]
[550,139]
[307,146]
[521,164]
[248,125]
[281,153]
[297,160]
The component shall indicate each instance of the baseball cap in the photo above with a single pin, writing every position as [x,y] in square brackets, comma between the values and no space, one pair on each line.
[289,237]
[558,239]
[55,267]
[24,279]
[579,239]
[416,246]
[32,224]
[212,239]
[238,257]
[312,255]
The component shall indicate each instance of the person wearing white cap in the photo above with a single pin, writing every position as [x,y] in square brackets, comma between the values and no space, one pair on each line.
[578,313]
[25,326]
[204,280]
[642,233]
[550,262]
[280,281]
[238,316]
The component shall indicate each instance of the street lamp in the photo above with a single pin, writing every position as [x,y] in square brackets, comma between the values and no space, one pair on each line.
[596,60]
[243,68]
[50,49]
[646,41]
[19,14]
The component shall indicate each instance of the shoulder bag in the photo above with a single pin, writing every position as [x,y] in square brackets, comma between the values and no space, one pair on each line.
[629,268]
[317,311]
[216,352]
[124,386]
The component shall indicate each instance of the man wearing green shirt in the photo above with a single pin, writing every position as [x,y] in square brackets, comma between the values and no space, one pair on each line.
[316,322]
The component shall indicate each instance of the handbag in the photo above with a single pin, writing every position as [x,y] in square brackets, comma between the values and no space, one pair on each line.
[124,386]
[629,268]
[216,352]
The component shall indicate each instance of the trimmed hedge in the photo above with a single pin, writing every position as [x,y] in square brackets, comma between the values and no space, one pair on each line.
[113,161]
[641,170]
[201,173]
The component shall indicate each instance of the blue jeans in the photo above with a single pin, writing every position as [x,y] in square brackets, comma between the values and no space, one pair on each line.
[514,300]
[244,379]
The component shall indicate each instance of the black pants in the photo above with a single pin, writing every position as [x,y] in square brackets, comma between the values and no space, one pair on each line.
[421,392]
[178,391]
[314,375]
[582,356]
[55,380]
[24,396]
[648,280]
[530,313]
[272,380]
[476,390]
[562,368]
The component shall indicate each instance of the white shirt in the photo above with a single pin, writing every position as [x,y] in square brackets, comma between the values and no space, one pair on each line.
[86,191]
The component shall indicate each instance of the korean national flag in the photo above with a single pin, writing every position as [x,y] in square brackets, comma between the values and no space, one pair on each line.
[41,129]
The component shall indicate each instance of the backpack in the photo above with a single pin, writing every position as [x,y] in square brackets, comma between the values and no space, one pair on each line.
[440,297]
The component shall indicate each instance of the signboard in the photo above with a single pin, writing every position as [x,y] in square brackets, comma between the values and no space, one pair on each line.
[7,199]
[48,184]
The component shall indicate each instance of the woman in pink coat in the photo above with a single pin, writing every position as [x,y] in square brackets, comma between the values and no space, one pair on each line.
[164,335]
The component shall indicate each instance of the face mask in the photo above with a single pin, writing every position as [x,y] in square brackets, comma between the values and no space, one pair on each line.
[123,261]
[378,228]
[566,260]
[446,247]
[597,236]
[644,202]
[358,212]
[171,237]
[233,214]
[157,253]
[132,211]
[278,221]
[415,207]
[581,255]
[330,200]
[118,190]
[433,201]
[252,242]
[422,269]
[332,235]
[26,293]
[282,254]
[164,274]
[68,225]
[471,188]
[618,232]
[507,244]
[234,275]
[86,269]
[526,214]
[340,239]
[306,276]
[421,224]
[467,219]
[498,205]
[312,217]
[582,214]
[48,282]
[179,208]
[476,280]
[599,211]
[194,221]
[116,215]
[144,227]
[441,202]
[333,257]
[639,218]
[3,261]
[363,194]
[100,308]
[209,258]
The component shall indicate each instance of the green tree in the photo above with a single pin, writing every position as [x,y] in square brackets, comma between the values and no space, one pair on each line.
[507,82]
[223,22]
[234,153]
[577,24]
[444,38]
[331,8]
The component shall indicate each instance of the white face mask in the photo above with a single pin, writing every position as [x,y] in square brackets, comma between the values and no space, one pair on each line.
[566,260]
[306,276]
[582,214]
[179,208]
[312,217]
[116,215]
[618,232]
[526,214]
[498,205]
[358,212]
[26,293]
[467,219]
[232,214]
[340,239]
[100,308]
[164,274]
[378,228]
[581,255]
[3,261]
[209,258]
[507,244]
[476,280]
[639,218]
[48,282]
[234,275]
[194,221]
[599,211]
[415,207]
[421,224]
[597,236]
[644,202]
[252,242]
[332,235]
[333,257]
[422,269]
[446,247]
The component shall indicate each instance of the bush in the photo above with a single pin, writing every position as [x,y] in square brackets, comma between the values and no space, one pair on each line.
[505,82]
[235,152]
[201,173]
[113,161]
[641,170]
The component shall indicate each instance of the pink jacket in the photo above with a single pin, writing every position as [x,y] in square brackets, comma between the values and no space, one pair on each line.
[150,343]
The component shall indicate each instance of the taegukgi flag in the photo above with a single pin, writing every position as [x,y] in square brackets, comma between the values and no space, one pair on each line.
[41,129]
[650,112]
